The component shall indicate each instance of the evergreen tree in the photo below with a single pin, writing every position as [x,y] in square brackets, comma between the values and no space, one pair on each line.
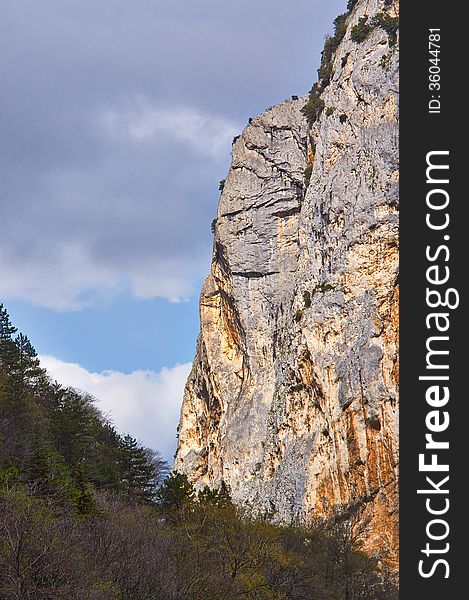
[47,430]
[176,492]
[27,366]
[138,473]
[84,499]
[216,497]
[6,328]
[8,349]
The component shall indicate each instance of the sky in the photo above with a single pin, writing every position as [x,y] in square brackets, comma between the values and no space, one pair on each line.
[116,122]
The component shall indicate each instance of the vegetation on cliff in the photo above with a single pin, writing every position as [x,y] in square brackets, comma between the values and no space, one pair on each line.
[359,32]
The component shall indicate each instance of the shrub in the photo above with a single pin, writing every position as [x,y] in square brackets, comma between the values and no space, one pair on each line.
[360,31]
[308,171]
[307,298]
[325,73]
[221,185]
[298,315]
[351,4]
[343,118]
[324,287]
[329,111]
[330,46]
[340,27]
[315,105]
[294,97]
[385,62]
[389,24]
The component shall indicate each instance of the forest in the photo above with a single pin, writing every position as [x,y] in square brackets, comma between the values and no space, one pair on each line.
[89,513]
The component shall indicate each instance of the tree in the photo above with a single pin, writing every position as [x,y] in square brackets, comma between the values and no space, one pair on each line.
[176,492]
[159,468]
[8,349]
[139,471]
[215,497]
[28,366]
[6,328]
[84,500]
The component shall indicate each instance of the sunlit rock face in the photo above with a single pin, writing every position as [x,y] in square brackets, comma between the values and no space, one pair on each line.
[292,399]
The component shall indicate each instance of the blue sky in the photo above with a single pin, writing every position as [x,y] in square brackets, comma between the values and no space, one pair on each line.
[116,121]
[125,335]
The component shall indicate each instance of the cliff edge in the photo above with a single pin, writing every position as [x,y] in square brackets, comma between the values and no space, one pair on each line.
[292,400]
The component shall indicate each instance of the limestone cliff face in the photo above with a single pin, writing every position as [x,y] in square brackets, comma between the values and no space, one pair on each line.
[292,399]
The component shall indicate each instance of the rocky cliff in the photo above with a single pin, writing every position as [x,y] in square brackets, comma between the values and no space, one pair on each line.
[292,398]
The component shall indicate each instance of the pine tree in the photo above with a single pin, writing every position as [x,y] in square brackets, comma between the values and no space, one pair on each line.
[8,349]
[85,502]
[6,328]
[215,497]
[138,474]
[175,492]
[28,366]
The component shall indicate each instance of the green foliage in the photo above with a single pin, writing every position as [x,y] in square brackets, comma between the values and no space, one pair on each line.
[307,298]
[84,497]
[83,514]
[389,24]
[221,185]
[298,315]
[8,347]
[215,497]
[6,327]
[176,492]
[330,46]
[360,31]
[308,172]
[385,61]
[330,111]
[340,28]
[213,226]
[315,105]
[9,475]
[140,475]
[56,438]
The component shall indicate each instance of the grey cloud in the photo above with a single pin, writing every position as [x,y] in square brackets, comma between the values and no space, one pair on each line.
[115,127]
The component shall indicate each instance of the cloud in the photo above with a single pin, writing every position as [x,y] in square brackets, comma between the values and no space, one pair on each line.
[116,121]
[207,134]
[135,218]
[145,404]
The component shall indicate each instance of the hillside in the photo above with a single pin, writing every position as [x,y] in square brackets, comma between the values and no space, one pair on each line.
[86,514]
